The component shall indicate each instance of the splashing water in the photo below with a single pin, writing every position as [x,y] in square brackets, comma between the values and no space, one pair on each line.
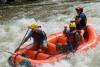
[12,33]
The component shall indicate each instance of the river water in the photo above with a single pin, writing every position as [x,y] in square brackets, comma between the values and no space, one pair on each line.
[14,21]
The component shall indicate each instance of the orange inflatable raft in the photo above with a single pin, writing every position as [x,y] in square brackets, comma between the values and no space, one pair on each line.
[28,57]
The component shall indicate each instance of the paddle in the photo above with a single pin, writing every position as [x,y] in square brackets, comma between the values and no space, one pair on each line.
[22,40]
[4,50]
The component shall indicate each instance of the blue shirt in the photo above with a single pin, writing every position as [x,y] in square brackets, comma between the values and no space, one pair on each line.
[38,36]
[83,21]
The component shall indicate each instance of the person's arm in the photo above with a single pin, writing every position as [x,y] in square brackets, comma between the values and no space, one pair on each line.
[77,37]
[82,16]
[29,35]
[65,30]
[45,35]
[78,20]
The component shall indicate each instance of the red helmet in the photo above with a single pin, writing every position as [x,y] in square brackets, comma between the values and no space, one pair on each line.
[79,9]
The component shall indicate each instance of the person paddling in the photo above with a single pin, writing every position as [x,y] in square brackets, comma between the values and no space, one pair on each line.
[73,38]
[81,22]
[38,35]
[80,19]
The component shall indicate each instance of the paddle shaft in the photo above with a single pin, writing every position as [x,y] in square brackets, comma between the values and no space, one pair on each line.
[7,51]
[22,40]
